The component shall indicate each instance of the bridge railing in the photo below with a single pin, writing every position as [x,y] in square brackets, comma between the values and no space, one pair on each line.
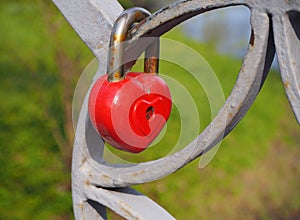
[96,184]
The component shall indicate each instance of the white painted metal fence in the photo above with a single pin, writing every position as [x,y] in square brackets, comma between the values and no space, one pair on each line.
[97,184]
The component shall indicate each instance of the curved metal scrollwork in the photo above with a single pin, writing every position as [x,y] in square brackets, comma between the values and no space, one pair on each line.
[275,28]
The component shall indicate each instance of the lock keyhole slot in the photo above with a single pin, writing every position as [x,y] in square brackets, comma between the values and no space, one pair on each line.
[149,112]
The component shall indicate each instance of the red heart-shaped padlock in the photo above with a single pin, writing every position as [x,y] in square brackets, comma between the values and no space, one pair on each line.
[130,114]
[129,111]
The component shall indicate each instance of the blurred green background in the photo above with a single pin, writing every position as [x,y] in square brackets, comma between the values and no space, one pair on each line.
[254,175]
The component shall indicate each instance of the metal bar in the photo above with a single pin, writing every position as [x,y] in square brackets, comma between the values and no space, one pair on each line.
[128,203]
[115,64]
[248,85]
[91,19]
[287,39]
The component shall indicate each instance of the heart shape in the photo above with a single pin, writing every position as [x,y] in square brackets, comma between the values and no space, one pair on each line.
[130,114]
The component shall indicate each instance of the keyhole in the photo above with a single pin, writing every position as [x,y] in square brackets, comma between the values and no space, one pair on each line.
[149,112]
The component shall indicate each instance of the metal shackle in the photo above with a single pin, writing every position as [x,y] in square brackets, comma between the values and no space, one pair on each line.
[115,65]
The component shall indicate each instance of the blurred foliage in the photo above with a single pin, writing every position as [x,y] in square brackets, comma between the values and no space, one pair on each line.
[255,174]
[36,152]
[126,3]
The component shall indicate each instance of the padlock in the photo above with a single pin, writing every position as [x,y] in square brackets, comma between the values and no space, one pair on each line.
[130,109]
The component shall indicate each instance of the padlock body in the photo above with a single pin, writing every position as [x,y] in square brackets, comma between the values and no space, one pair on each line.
[130,114]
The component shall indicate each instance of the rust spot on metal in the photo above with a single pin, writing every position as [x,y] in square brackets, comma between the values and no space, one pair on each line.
[115,37]
[105,177]
[81,206]
[286,84]
[138,15]
[83,160]
[119,37]
[151,65]
[136,174]
[242,69]
[252,38]
[126,210]
[111,63]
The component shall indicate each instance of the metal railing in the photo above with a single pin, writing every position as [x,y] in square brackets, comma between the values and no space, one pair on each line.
[97,185]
